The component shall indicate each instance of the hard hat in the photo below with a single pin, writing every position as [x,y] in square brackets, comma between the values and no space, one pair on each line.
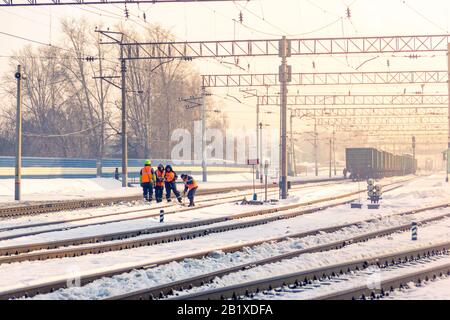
[148,162]
[183,176]
[161,166]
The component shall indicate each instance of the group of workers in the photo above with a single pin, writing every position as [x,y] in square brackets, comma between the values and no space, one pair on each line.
[165,178]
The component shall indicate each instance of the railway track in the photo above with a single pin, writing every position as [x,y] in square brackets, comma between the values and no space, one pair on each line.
[167,289]
[203,203]
[51,207]
[300,279]
[27,252]
[154,292]
[385,286]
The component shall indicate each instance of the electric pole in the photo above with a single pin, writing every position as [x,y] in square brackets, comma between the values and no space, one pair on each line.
[260,151]
[18,170]
[414,153]
[448,139]
[316,147]
[123,69]
[204,174]
[334,151]
[258,147]
[102,110]
[194,102]
[331,141]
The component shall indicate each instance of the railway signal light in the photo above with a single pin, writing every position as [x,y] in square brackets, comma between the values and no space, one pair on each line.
[349,14]
[241,17]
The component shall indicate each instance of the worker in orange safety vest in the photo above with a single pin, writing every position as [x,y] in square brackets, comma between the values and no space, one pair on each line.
[191,186]
[147,177]
[159,184]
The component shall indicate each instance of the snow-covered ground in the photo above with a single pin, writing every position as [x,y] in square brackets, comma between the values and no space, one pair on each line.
[438,289]
[174,271]
[417,193]
[302,195]
[434,233]
[65,189]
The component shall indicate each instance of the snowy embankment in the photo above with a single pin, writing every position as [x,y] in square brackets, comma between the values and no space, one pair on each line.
[76,189]
[400,200]
[83,229]
[438,289]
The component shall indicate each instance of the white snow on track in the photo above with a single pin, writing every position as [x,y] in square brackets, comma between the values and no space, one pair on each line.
[434,233]
[438,289]
[370,277]
[221,210]
[38,190]
[27,273]
[141,279]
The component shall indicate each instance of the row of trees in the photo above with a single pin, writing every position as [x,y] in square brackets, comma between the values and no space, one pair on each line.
[69,113]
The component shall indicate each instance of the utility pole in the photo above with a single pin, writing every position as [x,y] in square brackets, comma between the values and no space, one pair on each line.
[316,147]
[203,135]
[414,153]
[102,109]
[258,141]
[260,152]
[334,151]
[194,102]
[123,69]
[18,171]
[448,140]
[284,52]
[291,146]
[331,141]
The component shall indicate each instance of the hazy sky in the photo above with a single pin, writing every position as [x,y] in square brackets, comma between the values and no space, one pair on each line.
[263,19]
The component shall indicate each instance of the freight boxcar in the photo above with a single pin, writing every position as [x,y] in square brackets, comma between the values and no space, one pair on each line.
[364,163]
[370,163]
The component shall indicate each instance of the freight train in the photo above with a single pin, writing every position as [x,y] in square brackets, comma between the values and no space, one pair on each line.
[370,163]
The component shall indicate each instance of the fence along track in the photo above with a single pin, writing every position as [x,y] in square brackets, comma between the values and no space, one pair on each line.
[54,285]
[40,208]
[303,277]
[24,252]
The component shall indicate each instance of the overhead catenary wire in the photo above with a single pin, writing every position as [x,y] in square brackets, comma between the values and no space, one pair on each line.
[34,135]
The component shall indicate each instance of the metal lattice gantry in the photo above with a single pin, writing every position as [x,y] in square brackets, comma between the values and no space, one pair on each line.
[286,48]
[324,78]
[393,128]
[333,112]
[361,100]
[381,121]
[297,47]
[27,3]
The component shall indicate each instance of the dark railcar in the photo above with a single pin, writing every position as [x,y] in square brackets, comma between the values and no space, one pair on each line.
[364,163]
[370,163]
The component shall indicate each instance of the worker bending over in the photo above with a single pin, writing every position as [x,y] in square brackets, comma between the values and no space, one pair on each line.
[170,178]
[147,177]
[191,185]
[159,184]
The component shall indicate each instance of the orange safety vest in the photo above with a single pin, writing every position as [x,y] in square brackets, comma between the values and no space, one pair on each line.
[170,176]
[146,174]
[160,174]
[192,185]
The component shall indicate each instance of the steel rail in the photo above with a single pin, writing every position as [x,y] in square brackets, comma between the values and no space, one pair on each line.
[305,276]
[85,279]
[168,289]
[48,207]
[388,285]
[173,205]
